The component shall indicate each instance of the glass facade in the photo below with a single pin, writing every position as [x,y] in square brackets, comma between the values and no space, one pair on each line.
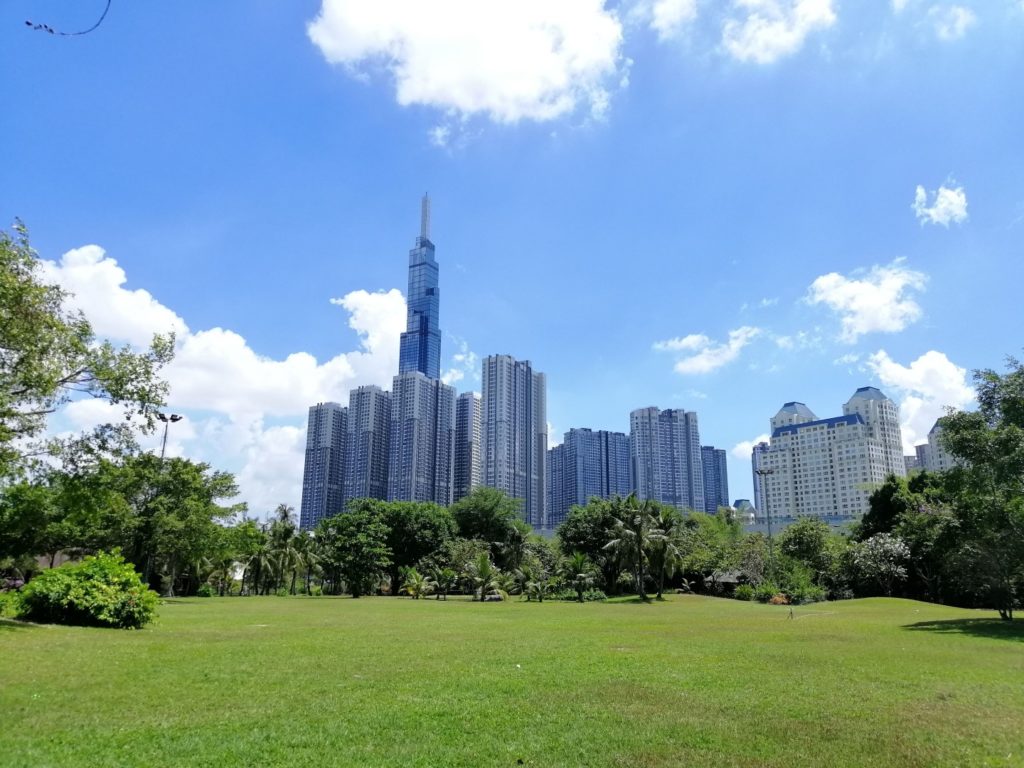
[421,342]
[323,478]
[587,464]
[665,459]
[716,478]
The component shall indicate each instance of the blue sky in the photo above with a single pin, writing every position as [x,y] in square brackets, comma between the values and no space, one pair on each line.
[682,203]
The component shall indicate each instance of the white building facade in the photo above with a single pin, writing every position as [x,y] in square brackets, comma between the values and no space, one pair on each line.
[829,467]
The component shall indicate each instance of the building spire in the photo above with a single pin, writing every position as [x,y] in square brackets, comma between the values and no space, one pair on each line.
[425,217]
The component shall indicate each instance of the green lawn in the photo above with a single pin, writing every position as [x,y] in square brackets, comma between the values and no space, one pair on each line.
[385,681]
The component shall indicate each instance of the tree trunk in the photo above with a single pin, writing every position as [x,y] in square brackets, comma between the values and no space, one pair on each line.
[295,575]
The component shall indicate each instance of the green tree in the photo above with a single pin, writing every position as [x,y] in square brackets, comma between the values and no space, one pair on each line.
[633,535]
[578,572]
[486,578]
[445,580]
[355,544]
[51,355]
[588,529]
[666,549]
[416,584]
[489,515]
[881,559]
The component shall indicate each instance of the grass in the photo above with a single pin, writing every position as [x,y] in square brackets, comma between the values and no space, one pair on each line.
[395,682]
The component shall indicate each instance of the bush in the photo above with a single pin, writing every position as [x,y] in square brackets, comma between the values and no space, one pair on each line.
[779,599]
[10,604]
[744,592]
[806,594]
[764,592]
[589,595]
[205,590]
[102,590]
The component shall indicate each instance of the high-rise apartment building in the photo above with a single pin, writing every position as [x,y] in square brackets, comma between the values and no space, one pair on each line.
[829,467]
[367,443]
[757,462]
[421,342]
[716,478]
[422,439]
[515,433]
[665,458]
[468,464]
[585,465]
[933,456]
[323,478]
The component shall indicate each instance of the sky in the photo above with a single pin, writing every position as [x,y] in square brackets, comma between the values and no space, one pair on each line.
[716,205]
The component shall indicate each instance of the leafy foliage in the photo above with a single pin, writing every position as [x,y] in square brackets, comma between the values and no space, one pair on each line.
[103,590]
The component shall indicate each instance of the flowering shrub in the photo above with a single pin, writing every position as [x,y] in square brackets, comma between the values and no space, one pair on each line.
[102,590]
[779,599]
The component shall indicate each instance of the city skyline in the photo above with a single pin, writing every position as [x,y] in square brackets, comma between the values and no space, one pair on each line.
[707,223]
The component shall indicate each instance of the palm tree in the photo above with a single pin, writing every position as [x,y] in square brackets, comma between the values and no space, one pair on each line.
[224,574]
[259,566]
[633,535]
[485,578]
[534,581]
[665,549]
[282,545]
[578,571]
[416,584]
[444,580]
[309,555]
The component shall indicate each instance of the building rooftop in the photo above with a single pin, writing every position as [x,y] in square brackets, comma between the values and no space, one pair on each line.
[869,393]
[853,418]
[796,408]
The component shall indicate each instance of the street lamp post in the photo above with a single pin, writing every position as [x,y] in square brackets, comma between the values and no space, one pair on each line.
[762,473]
[167,419]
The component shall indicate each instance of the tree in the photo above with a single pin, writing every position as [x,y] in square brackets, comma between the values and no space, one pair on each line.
[578,573]
[881,559]
[444,580]
[487,514]
[416,584]
[51,355]
[632,536]
[415,531]
[806,541]
[665,549]
[587,529]
[987,489]
[486,578]
[355,544]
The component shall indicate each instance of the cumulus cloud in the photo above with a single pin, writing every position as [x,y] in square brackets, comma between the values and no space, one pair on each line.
[951,22]
[769,30]
[878,301]
[744,448]
[115,312]
[949,206]
[465,361]
[708,355]
[227,389]
[668,17]
[509,61]
[925,388]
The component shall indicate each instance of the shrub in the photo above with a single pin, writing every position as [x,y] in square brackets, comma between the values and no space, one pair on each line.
[205,590]
[10,604]
[779,599]
[589,595]
[744,592]
[102,590]
[806,594]
[765,591]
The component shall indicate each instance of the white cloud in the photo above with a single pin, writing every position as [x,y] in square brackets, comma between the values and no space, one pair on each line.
[951,22]
[464,361]
[528,59]
[878,301]
[949,206]
[554,437]
[669,17]
[773,29]
[708,355]
[96,281]
[743,449]
[899,5]
[850,358]
[226,388]
[926,388]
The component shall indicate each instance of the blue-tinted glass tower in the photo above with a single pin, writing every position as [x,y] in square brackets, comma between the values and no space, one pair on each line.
[421,341]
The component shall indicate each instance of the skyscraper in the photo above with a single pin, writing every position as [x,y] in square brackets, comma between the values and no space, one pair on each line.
[468,448]
[421,342]
[422,439]
[367,443]
[665,460]
[323,478]
[515,434]
[585,465]
[757,461]
[829,467]
[716,478]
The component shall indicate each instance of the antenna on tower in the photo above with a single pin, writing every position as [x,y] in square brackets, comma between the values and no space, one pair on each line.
[425,217]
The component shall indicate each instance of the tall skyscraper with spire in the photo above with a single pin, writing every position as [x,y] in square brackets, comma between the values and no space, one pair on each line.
[421,341]
[421,460]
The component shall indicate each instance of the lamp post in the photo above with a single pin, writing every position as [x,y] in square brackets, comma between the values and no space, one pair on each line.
[167,419]
[762,473]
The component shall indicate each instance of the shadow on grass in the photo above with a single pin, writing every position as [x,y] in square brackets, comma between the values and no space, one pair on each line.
[994,628]
[10,625]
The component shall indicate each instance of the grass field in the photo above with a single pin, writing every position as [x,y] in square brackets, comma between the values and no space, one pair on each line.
[395,682]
